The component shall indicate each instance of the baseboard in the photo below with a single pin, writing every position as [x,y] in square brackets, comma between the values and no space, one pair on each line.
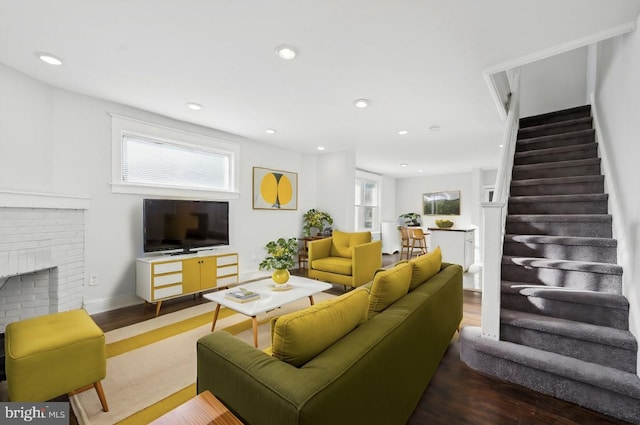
[107,304]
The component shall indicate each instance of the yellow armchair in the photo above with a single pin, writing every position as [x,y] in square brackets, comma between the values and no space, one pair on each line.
[346,258]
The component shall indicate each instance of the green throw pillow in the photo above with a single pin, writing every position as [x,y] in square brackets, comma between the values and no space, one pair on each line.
[300,336]
[424,267]
[388,287]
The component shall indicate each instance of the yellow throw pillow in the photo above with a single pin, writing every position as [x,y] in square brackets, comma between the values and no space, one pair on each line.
[388,287]
[424,267]
[300,336]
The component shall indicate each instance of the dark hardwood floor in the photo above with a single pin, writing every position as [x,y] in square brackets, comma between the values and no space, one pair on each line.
[456,395]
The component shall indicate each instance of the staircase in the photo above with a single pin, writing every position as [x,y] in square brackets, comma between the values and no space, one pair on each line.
[563,318]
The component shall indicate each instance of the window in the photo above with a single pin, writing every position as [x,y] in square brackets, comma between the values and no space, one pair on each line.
[367,205]
[154,160]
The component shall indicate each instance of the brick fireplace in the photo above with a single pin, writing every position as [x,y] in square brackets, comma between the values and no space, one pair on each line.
[41,254]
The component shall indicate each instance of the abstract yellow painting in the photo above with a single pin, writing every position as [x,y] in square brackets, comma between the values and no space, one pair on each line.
[274,189]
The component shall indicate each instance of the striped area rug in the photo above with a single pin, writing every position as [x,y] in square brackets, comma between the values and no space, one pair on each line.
[151,366]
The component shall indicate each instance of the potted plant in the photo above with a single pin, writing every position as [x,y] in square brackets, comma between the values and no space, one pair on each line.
[411,219]
[282,254]
[315,219]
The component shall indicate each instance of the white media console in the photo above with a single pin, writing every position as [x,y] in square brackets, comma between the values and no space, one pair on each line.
[163,277]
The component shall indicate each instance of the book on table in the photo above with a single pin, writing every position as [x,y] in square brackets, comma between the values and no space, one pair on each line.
[242,295]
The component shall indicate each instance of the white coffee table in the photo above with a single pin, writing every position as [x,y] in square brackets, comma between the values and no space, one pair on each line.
[269,299]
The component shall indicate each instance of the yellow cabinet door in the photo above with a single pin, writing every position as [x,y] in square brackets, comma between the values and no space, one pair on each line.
[191,275]
[208,273]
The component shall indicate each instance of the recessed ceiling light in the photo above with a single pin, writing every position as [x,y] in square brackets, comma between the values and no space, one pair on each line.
[270,131]
[361,103]
[320,148]
[403,132]
[434,128]
[286,52]
[194,106]
[49,58]
[500,146]
[404,164]
[421,171]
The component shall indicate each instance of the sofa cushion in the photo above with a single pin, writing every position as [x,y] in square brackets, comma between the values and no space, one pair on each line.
[343,242]
[300,336]
[424,267]
[388,287]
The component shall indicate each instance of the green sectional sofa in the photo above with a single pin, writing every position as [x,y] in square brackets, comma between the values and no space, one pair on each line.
[374,374]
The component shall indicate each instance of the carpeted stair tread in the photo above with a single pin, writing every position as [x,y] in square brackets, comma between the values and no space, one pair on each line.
[587,218]
[582,266]
[555,116]
[591,197]
[580,296]
[558,180]
[588,306]
[558,164]
[586,135]
[606,378]
[554,127]
[570,328]
[562,240]
[556,150]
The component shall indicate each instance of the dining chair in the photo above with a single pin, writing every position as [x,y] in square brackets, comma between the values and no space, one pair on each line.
[418,241]
[406,242]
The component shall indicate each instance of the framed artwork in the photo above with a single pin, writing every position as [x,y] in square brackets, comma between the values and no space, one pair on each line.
[441,203]
[274,189]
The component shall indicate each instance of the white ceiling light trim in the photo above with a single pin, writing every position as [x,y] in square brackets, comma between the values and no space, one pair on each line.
[286,52]
[271,131]
[403,132]
[361,103]
[49,58]
[320,148]
[434,128]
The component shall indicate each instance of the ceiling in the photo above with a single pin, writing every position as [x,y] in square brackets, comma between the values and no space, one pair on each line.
[419,62]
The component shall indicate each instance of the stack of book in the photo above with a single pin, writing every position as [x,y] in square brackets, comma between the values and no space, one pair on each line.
[242,295]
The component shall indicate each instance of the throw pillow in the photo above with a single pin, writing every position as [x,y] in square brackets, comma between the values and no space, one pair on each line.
[424,267]
[388,287]
[300,336]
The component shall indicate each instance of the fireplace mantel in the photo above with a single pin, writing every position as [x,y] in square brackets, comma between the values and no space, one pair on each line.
[21,199]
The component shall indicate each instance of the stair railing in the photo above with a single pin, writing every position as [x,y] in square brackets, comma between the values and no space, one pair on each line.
[494,215]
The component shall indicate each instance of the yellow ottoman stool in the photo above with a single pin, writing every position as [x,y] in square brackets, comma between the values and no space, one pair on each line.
[56,354]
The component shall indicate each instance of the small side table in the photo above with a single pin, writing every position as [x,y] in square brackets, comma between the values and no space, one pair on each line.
[303,254]
[205,409]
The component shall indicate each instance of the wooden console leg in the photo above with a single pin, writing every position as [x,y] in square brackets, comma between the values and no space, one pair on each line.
[101,396]
[158,305]
[311,299]
[254,319]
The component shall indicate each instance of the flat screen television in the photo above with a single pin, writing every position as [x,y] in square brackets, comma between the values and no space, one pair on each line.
[174,224]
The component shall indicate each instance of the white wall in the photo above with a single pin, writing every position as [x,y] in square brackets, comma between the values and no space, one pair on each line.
[555,83]
[335,188]
[52,140]
[618,103]
[409,196]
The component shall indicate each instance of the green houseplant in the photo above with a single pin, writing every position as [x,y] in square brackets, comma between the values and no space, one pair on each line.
[281,256]
[411,219]
[315,219]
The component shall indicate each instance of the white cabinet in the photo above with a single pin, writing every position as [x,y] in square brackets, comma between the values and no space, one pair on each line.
[457,245]
[164,277]
[390,236]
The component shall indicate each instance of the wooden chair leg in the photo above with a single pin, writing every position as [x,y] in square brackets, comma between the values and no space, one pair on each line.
[101,396]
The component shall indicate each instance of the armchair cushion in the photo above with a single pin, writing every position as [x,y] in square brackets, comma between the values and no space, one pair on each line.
[343,242]
[338,265]
[425,266]
[388,287]
[300,336]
